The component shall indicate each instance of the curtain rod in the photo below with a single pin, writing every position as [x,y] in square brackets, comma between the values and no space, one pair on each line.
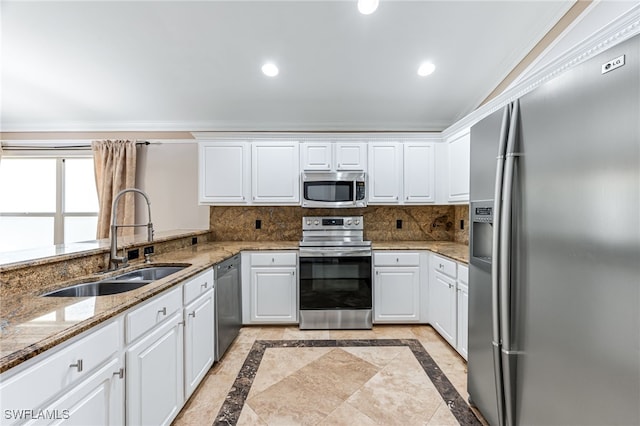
[53,147]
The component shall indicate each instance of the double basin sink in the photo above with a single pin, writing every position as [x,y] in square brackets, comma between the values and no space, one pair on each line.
[117,284]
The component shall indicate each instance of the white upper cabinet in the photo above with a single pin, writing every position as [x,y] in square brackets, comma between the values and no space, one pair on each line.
[385,172]
[402,172]
[333,156]
[419,172]
[350,156]
[265,169]
[275,172]
[458,167]
[224,172]
[317,156]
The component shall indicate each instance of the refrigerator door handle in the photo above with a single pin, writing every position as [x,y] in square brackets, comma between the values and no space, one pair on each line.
[495,263]
[506,219]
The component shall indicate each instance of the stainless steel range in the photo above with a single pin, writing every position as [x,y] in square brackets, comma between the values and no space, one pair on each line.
[335,274]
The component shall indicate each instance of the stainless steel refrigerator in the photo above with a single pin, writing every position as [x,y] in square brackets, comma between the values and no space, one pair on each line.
[554,286]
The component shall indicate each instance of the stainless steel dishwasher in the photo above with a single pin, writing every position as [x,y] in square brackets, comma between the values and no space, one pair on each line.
[228,300]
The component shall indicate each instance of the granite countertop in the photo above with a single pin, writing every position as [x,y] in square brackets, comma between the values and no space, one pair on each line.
[30,324]
[455,251]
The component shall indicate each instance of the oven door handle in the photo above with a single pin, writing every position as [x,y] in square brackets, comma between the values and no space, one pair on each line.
[334,252]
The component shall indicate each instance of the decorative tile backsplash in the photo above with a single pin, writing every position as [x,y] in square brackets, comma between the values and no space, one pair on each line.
[381,223]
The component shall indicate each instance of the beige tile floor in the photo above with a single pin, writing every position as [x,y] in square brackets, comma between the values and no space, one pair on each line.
[332,386]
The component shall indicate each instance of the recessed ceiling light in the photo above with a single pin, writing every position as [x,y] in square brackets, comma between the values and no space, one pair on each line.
[367,7]
[270,69]
[425,69]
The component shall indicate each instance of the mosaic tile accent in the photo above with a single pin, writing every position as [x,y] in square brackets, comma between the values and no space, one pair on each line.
[235,401]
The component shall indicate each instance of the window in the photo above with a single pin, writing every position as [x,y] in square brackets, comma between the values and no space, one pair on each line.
[46,200]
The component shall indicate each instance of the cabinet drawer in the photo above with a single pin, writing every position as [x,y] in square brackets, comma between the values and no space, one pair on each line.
[198,285]
[273,259]
[463,273]
[154,312]
[54,372]
[396,259]
[444,265]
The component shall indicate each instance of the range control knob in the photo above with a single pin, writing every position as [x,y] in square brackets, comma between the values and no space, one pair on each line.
[357,221]
[349,222]
[316,222]
[308,222]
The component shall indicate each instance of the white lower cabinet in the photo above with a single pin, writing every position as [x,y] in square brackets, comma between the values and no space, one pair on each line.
[98,400]
[399,287]
[273,288]
[442,307]
[155,375]
[449,301]
[462,344]
[199,343]
[171,348]
[396,294]
[76,377]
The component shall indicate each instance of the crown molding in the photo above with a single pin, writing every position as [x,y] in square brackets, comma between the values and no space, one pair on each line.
[320,136]
[619,30]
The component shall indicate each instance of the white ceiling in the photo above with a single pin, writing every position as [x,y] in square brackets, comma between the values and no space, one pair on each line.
[195,65]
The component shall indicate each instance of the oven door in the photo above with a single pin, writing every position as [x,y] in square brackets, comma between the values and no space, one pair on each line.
[335,282]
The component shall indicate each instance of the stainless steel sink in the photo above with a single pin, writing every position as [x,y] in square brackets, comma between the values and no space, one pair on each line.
[148,274]
[117,284]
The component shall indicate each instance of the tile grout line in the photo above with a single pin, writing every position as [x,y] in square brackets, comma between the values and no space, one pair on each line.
[231,409]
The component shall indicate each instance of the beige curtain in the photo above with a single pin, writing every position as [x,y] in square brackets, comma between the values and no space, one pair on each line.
[115,168]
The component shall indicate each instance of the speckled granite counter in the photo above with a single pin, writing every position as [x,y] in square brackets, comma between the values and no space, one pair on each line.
[455,251]
[30,324]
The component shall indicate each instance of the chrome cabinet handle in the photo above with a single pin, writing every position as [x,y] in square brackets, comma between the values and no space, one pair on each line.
[181,323]
[163,311]
[192,314]
[205,285]
[119,373]
[78,365]
[397,259]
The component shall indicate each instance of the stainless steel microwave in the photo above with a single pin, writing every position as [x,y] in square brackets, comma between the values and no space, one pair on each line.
[334,189]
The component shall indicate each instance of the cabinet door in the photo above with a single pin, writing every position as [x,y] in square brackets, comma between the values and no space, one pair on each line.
[224,172]
[385,172]
[396,294]
[97,400]
[199,345]
[275,173]
[351,156]
[463,319]
[155,375]
[458,168]
[274,295]
[419,172]
[442,306]
[317,156]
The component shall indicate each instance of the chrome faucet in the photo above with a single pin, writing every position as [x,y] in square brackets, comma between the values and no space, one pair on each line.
[114,260]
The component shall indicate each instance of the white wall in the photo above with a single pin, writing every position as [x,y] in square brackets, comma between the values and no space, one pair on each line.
[168,172]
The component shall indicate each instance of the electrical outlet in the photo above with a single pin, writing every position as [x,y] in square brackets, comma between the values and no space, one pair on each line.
[194,241]
[133,254]
[148,250]
[258,224]
[462,224]
[399,224]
